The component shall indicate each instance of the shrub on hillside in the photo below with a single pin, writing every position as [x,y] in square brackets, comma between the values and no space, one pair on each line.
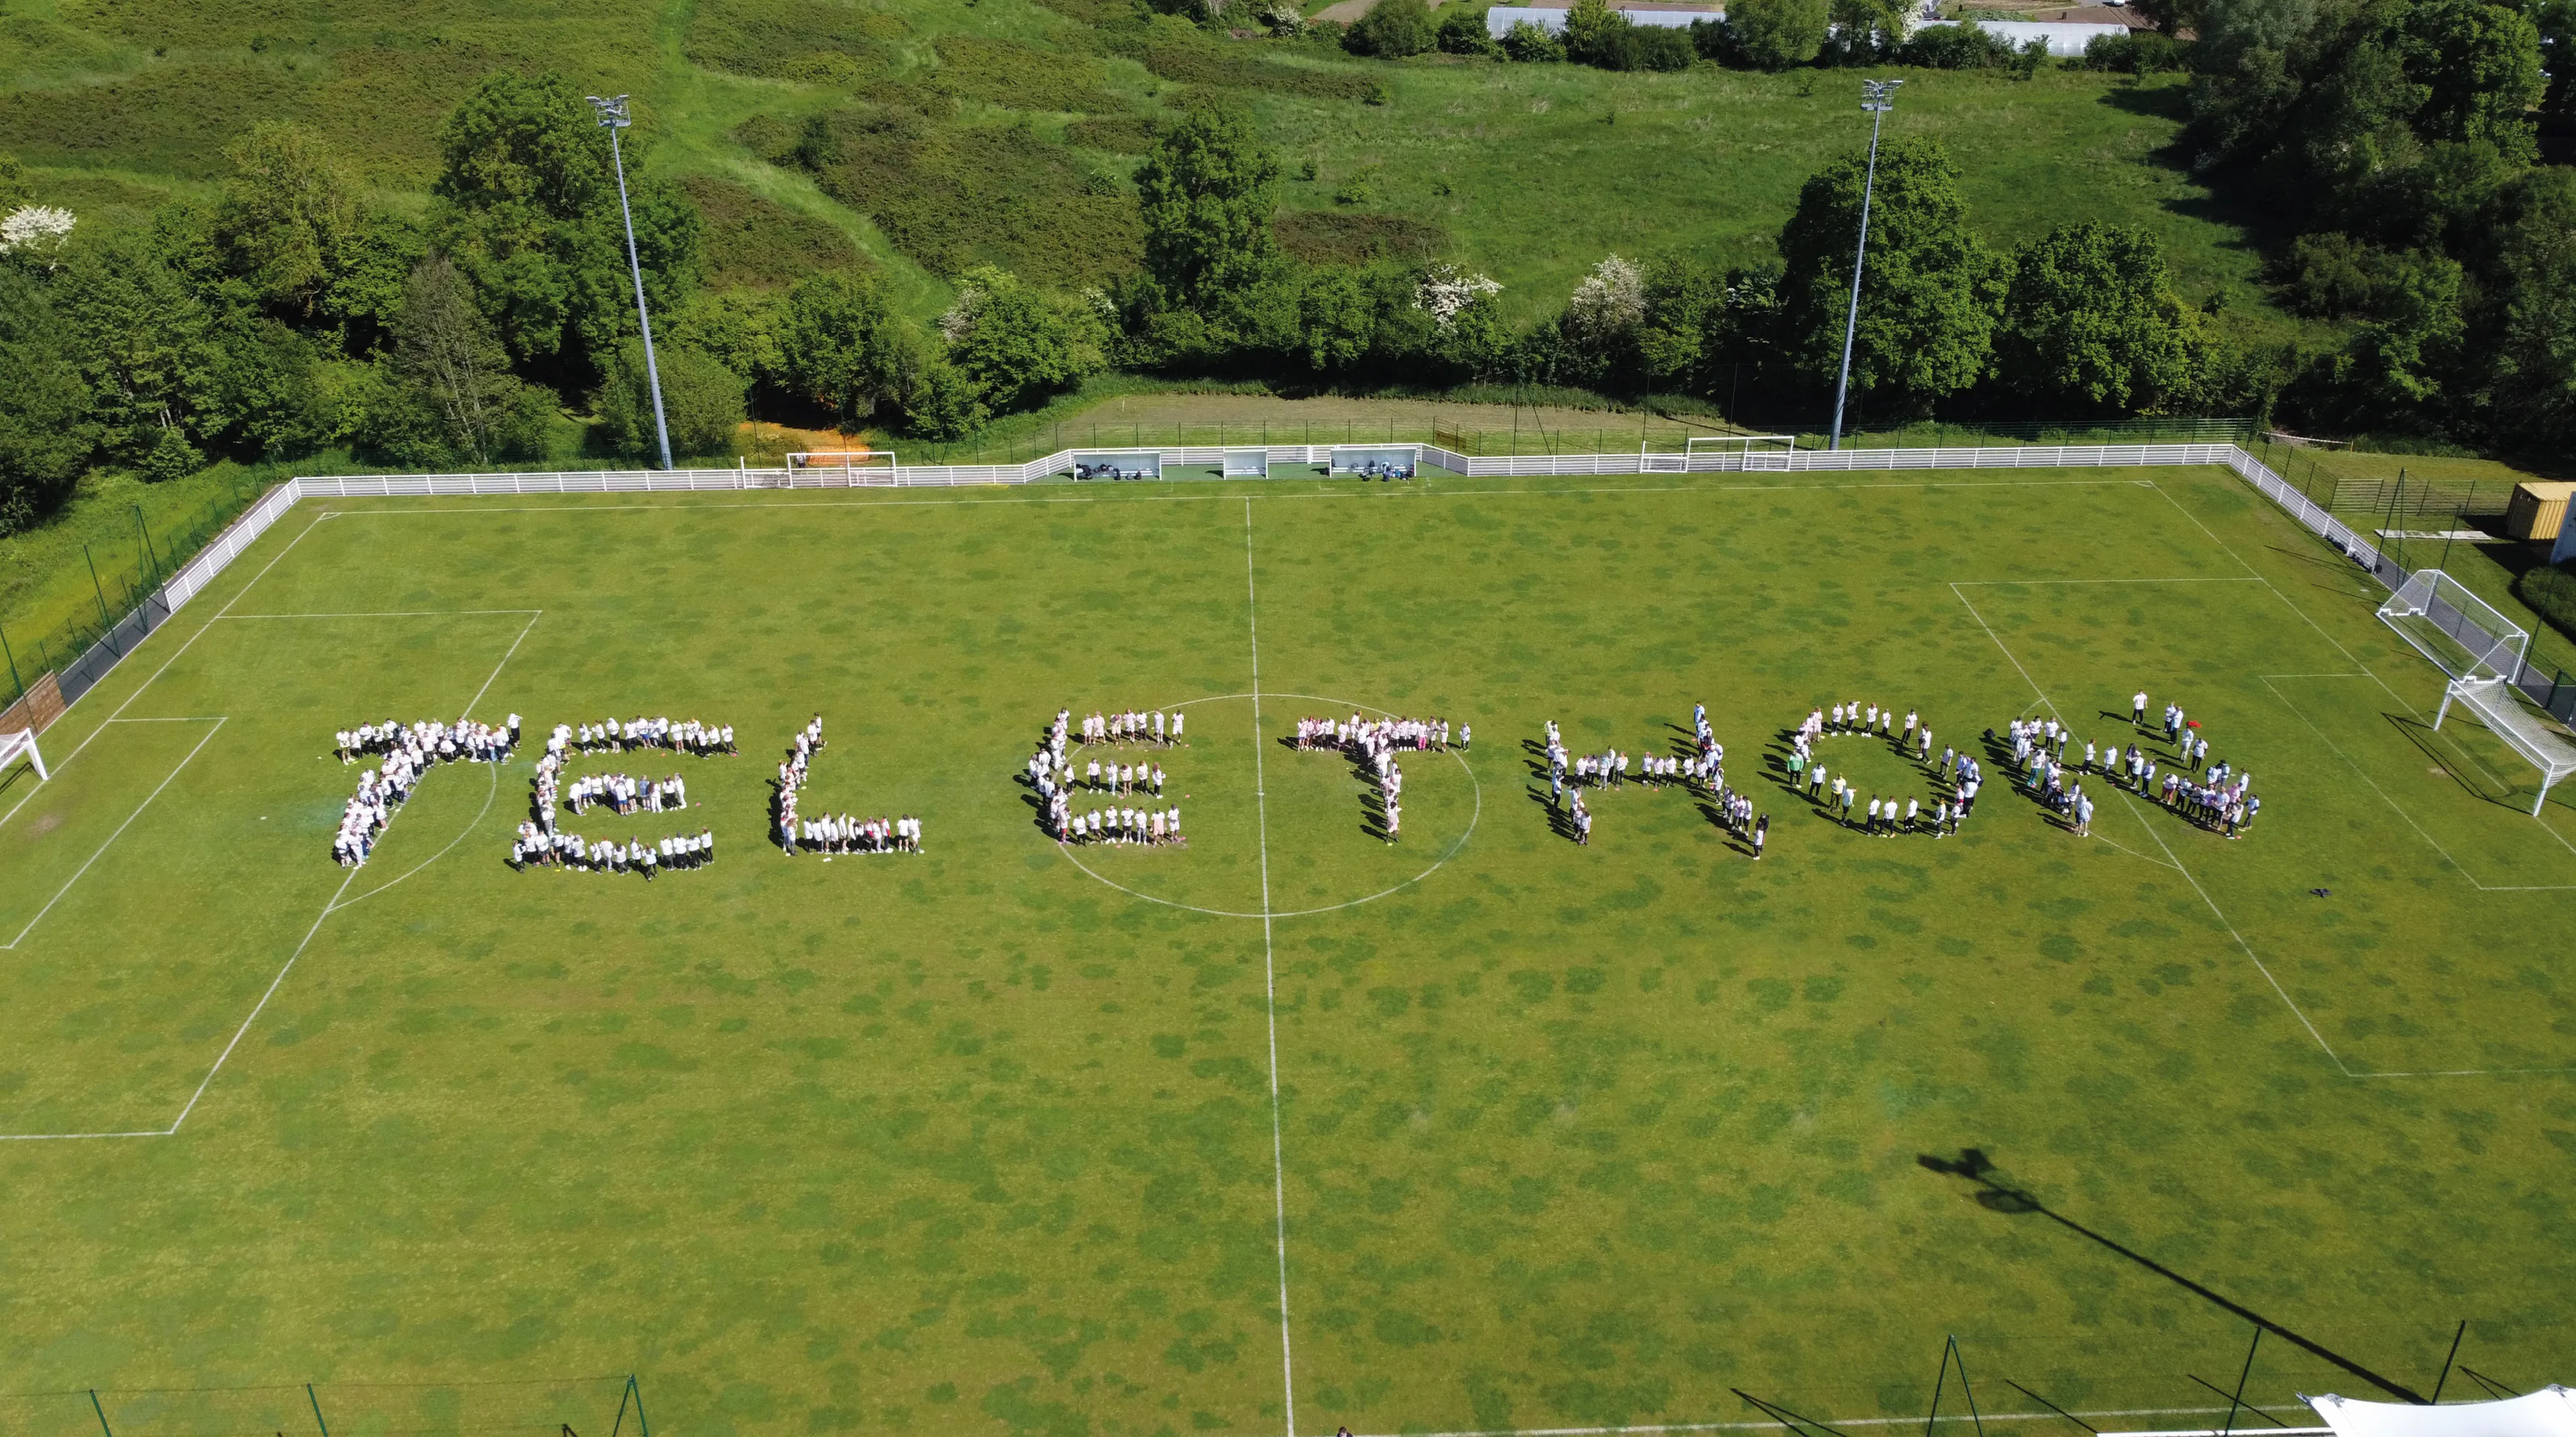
[1462,32]
[1964,46]
[1764,34]
[1391,30]
[702,402]
[2140,52]
[1529,42]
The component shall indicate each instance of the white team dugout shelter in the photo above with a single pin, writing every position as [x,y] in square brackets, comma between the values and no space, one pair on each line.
[2549,1412]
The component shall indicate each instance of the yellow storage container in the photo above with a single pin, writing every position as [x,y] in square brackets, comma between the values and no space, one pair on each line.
[2538,511]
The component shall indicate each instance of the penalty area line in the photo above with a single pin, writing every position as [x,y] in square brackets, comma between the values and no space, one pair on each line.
[111,838]
[2143,822]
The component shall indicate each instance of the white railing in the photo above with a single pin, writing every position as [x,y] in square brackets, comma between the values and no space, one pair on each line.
[193,578]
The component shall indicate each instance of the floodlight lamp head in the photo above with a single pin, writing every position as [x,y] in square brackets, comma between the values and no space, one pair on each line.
[612,110]
[1878,95]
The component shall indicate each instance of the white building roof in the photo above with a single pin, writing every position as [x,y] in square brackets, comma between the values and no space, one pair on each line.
[2066,40]
[1551,18]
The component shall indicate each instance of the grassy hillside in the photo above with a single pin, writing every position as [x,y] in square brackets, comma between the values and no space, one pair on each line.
[999,130]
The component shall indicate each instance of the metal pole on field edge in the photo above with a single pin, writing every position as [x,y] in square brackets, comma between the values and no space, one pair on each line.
[613,118]
[317,1410]
[96,587]
[16,683]
[637,1388]
[151,560]
[1878,97]
[102,1413]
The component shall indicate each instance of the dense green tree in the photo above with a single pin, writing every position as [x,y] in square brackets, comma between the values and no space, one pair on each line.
[2090,324]
[1462,32]
[839,345]
[13,183]
[287,214]
[140,333]
[453,393]
[1928,289]
[702,401]
[1016,344]
[1207,195]
[1336,320]
[370,269]
[1866,31]
[529,213]
[2528,330]
[1595,34]
[1531,43]
[1775,34]
[45,433]
[1392,29]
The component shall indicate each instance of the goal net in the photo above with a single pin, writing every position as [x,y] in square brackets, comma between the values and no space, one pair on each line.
[2544,745]
[2455,628]
[22,745]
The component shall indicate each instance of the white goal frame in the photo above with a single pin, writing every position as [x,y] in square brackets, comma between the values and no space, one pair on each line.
[2544,746]
[2460,632]
[857,466]
[1773,453]
[22,744]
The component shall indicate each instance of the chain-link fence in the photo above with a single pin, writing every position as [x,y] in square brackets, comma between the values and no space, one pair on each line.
[544,1407]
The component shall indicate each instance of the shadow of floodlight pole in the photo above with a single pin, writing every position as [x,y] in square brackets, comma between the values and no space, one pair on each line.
[1994,1194]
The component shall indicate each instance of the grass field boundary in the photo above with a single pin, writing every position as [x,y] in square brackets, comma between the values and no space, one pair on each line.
[193,578]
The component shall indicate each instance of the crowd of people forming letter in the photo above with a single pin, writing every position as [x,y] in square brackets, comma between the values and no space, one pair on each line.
[1372,745]
[1955,779]
[2215,796]
[407,750]
[1050,771]
[2044,754]
[541,842]
[1701,771]
[832,833]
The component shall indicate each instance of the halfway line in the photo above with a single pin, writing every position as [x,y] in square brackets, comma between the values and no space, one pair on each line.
[1269,979]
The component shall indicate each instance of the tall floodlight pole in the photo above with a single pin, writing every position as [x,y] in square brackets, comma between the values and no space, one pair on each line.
[1878,97]
[612,115]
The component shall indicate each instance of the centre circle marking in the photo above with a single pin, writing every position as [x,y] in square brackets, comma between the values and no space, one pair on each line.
[1477,788]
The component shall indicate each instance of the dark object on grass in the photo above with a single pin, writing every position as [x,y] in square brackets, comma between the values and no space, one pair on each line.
[2322,892]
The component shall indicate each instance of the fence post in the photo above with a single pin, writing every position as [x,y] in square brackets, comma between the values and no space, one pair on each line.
[96,587]
[317,1410]
[102,1413]
[16,683]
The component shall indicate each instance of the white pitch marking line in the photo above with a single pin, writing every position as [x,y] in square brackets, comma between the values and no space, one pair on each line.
[385,614]
[2384,796]
[462,834]
[199,634]
[1269,978]
[262,1004]
[111,838]
[1835,1422]
[533,616]
[680,501]
[2131,803]
[1476,790]
[2220,579]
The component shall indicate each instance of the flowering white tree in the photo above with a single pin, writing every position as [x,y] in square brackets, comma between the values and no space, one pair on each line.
[35,230]
[1610,300]
[1447,290]
[958,324]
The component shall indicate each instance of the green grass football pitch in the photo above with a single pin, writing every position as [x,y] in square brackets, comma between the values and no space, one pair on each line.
[985,1140]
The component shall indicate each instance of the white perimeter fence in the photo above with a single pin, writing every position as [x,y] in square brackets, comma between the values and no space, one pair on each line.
[191,580]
